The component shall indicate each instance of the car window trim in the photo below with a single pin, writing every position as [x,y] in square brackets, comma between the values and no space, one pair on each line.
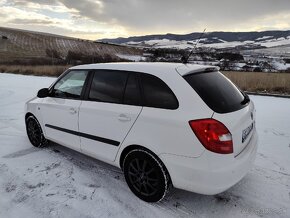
[125,87]
[139,83]
[90,81]
[137,76]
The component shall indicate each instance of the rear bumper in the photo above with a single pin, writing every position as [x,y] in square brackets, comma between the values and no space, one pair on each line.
[210,173]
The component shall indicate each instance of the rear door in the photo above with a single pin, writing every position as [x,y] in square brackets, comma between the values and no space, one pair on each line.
[111,107]
[232,107]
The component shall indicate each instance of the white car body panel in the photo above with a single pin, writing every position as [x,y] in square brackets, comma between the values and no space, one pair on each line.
[165,132]
[186,69]
[111,121]
[61,113]
[236,122]
[211,173]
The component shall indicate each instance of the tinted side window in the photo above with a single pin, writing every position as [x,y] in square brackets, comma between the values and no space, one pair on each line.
[70,86]
[157,93]
[217,91]
[132,92]
[108,86]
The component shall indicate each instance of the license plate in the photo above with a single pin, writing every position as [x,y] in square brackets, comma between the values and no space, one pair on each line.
[246,132]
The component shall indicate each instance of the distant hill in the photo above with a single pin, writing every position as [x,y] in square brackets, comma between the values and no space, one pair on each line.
[244,40]
[27,46]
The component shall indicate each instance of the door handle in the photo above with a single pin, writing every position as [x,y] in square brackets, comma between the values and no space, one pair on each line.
[124,117]
[72,110]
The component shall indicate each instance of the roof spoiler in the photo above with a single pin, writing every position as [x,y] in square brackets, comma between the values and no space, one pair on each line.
[205,69]
[210,69]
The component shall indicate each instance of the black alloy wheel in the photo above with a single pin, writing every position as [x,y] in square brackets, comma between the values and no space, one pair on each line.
[34,132]
[146,176]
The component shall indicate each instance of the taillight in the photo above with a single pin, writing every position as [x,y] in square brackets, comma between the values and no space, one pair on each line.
[213,135]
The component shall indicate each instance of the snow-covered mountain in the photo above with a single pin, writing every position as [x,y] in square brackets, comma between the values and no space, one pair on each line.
[241,40]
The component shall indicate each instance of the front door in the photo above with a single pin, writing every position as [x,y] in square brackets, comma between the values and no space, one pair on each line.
[60,110]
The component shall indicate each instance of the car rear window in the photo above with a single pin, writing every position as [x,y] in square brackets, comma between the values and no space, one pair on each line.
[217,91]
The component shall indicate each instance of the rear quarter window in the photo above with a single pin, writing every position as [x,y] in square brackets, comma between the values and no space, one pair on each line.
[157,94]
[217,91]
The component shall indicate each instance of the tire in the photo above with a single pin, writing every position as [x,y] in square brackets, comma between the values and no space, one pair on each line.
[146,175]
[34,132]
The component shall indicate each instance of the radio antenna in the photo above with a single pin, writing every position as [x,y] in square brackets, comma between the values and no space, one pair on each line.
[184,59]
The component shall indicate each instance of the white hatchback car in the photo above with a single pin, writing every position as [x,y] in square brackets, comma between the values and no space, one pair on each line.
[163,124]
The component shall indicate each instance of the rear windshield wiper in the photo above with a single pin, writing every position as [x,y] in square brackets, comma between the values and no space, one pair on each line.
[246,99]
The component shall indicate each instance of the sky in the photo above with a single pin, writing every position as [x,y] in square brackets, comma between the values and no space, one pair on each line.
[97,19]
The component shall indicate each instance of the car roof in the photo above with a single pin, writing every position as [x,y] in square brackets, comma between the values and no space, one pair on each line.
[157,67]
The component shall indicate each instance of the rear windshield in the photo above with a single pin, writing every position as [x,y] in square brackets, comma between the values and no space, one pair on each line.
[218,92]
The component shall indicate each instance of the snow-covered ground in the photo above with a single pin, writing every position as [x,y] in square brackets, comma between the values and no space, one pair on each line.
[58,182]
[131,57]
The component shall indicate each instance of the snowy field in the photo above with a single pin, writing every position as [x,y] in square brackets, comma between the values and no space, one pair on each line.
[266,41]
[58,182]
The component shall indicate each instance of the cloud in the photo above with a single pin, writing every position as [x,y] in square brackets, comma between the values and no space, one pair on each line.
[35,5]
[19,21]
[14,15]
[54,18]
[129,17]
[27,2]
[146,15]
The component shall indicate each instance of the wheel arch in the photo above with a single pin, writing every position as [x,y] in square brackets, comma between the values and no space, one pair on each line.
[134,147]
[43,140]
[28,114]
[164,190]
[126,151]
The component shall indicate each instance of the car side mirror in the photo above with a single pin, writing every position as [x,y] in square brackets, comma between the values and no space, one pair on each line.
[43,93]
